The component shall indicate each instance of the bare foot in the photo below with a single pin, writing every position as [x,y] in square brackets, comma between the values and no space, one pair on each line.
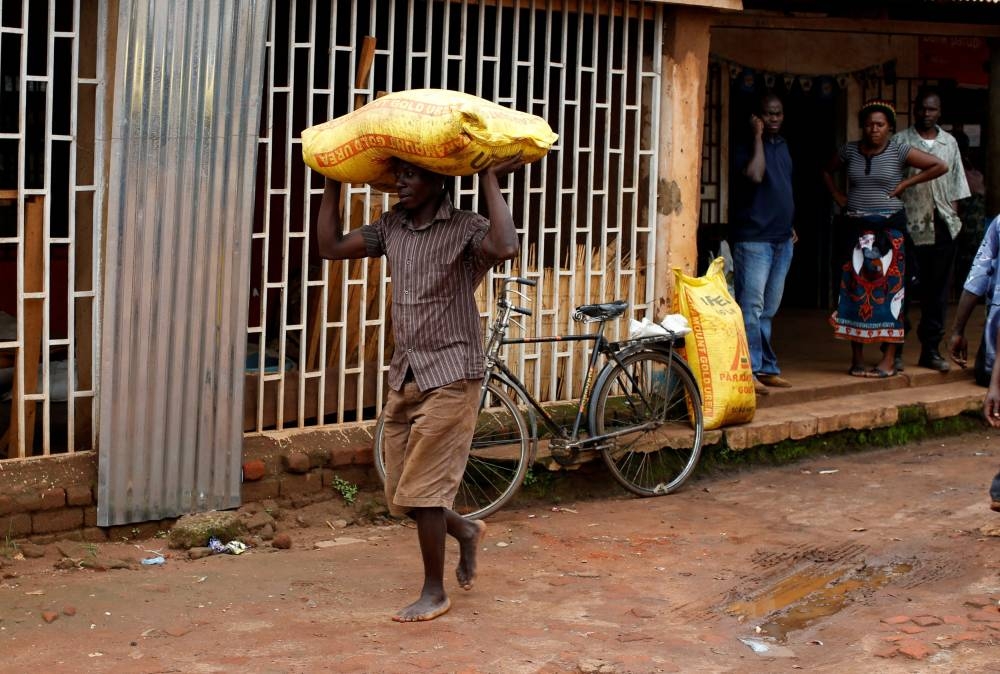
[467,549]
[425,608]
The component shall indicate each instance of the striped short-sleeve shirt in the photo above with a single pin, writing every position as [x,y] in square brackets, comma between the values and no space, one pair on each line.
[435,269]
[871,179]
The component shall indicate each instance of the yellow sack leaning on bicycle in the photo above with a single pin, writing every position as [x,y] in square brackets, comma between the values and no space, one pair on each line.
[716,349]
[447,132]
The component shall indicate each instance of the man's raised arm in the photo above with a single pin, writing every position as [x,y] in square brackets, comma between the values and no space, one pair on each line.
[333,243]
[501,241]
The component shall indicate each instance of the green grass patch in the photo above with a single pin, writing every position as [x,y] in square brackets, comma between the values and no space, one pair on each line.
[912,426]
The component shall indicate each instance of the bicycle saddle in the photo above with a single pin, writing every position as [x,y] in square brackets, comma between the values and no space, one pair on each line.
[600,312]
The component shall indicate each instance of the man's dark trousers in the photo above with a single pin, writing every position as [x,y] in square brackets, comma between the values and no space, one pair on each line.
[935,263]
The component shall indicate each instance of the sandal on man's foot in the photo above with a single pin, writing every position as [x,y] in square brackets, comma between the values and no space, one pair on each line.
[858,371]
[876,373]
[995,506]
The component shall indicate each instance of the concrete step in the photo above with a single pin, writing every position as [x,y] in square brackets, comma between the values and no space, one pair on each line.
[866,404]
[826,385]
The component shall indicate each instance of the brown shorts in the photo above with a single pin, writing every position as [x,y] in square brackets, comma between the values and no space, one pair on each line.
[426,439]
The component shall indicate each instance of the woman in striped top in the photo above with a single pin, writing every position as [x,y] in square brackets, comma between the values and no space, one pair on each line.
[871,286]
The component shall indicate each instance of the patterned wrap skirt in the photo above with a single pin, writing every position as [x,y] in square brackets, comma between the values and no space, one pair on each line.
[870,307]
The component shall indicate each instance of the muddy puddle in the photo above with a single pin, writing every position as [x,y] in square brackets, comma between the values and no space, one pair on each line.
[799,600]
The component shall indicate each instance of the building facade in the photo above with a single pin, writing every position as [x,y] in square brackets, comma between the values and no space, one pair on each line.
[164,312]
[165,304]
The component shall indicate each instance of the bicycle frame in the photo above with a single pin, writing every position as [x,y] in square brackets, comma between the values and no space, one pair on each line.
[588,382]
[610,350]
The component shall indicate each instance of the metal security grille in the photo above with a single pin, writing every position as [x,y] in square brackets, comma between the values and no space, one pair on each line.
[714,149]
[319,333]
[51,185]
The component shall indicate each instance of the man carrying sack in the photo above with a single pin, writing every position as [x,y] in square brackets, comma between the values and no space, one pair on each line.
[438,256]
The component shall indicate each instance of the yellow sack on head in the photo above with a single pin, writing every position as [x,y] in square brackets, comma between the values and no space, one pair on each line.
[716,349]
[447,132]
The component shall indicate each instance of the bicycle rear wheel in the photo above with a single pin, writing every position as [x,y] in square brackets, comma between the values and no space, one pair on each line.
[498,458]
[657,396]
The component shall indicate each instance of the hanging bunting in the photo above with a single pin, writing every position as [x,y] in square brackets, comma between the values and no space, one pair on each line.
[826,84]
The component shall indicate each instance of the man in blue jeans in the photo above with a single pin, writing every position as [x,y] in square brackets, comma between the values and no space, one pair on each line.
[983,283]
[991,410]
[762,236]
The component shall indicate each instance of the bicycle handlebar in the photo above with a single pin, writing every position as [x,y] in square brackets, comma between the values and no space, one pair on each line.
[505,303]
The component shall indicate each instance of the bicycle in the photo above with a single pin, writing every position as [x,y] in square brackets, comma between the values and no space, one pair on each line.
[643,413]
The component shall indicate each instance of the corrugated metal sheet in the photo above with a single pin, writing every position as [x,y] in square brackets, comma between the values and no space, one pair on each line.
[187,95]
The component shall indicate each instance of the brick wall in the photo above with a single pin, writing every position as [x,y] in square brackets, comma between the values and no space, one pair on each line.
[44,499]
[300,467]
[40,498]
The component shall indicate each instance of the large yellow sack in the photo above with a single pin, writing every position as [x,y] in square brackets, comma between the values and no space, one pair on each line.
[716,349]
[447,132]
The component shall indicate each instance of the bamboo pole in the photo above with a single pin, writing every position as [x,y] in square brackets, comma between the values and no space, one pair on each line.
[372,301]
[32,346]
[352,317]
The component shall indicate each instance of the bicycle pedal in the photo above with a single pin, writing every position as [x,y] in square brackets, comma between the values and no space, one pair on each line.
[562,453]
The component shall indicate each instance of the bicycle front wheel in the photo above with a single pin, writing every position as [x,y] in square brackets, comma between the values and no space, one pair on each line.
[651,408]
[499,456]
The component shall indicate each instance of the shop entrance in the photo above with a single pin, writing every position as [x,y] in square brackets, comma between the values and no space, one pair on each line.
[816,122]
[812,119]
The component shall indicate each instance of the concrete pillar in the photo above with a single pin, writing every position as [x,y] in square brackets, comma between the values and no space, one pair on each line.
[992,159]
[682,112]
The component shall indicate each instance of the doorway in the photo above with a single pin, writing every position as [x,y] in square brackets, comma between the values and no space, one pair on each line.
[813,117]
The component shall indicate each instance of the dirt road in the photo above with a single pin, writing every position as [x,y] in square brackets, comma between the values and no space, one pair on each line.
[874,562]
